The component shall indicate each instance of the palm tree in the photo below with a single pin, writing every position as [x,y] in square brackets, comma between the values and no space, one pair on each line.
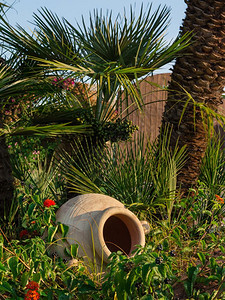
[111,54]
[201,75]
[14,83]
[11,87]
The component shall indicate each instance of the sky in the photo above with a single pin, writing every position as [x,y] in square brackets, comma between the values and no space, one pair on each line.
[72,10]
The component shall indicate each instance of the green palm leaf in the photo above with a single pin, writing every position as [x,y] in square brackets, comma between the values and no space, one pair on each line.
[48,130]
[113,52]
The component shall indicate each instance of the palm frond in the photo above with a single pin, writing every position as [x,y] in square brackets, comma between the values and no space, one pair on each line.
[133,174]
[48,130]
[129,41]
[110,52]
[51,39]
[212,172]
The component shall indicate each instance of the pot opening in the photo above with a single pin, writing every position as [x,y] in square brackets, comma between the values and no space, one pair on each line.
[117,234]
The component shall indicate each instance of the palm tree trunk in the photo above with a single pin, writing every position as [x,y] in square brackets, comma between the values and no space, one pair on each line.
[202,74]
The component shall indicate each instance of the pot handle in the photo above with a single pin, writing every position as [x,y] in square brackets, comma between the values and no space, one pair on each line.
[146,226]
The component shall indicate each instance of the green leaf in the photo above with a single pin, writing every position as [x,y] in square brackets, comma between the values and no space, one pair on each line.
[147,273]
[5,286]
[61,295]
[51,232]
[48,130]
[120,282]
[212,262]
[63,229]
[47,217]
[49,296]
[162,269]
[31,209]
[192,273]
[37,277]
[189,284]
[37,199]
[13,265]
[87,287]
[176,236]
[74,250]
[2,267]
[147,297]
[67,252]
[203,296]
[214,278]
[201,257]
[207,212]
[24,279]
[193,243]
[203,244]
[222,249]
[165,245]
[187,249]
[131,280]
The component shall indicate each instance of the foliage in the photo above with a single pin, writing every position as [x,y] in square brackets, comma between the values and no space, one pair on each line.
[133,47]
[213,167]
[33,164]
[174,263]
[17,113]
[193,236]
[127,42]
[143,276]
[30,147]
[131,173]
[45,65]
[29,261]
[36,172]
[184,254]
[184,251]
[113,128]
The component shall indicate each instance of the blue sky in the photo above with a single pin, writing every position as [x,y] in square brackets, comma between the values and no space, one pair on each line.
[72,10]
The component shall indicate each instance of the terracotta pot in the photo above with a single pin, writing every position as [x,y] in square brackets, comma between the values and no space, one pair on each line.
[100,225]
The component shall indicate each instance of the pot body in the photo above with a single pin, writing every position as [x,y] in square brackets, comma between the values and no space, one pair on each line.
[100,225]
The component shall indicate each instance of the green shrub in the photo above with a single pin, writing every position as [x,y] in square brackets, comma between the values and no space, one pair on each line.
[177,258]
[143,177]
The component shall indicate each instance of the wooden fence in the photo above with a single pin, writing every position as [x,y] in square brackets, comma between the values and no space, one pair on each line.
[149,121]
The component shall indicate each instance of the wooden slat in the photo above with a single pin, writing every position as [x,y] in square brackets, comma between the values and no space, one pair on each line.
[149,122]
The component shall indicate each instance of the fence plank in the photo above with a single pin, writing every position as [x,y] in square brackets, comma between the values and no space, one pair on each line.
[150,120]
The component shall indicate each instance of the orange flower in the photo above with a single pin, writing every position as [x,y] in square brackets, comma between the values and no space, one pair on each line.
[219,199]
[32,295]
[49,202]
[32,285]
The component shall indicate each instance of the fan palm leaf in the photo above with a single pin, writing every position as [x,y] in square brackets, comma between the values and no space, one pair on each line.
[128,41]
[114,53]
[48,130]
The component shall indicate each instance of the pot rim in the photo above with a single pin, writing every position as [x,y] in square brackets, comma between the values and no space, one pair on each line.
[99,222]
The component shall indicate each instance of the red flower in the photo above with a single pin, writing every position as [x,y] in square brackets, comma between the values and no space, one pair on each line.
[49,202]
[32,295]
[23,233]
[32,285]
[219,199]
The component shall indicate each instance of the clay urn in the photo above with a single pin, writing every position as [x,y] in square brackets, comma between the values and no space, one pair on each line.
[100,225]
